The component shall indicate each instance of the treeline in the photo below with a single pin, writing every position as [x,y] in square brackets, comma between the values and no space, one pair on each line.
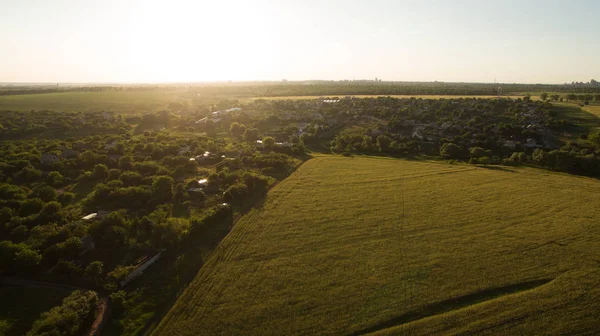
[317,88]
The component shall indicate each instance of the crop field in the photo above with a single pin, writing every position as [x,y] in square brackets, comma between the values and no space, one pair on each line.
[349,246]
[119,101]
[21,306]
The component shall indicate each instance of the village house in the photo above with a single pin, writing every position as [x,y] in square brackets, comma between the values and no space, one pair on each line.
[417,135]
[531,143]
[183,150]
[203,157]
[113,144]
[510,144]
[96,215]
[283,144]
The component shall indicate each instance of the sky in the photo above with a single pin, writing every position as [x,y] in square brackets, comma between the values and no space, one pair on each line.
[140,41]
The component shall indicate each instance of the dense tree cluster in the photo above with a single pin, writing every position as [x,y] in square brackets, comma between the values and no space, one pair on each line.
[72,317]
[150,182]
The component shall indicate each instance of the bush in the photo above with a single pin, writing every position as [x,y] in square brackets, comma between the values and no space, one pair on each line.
[236,193]
[66,198]
[114,174]
[450,150]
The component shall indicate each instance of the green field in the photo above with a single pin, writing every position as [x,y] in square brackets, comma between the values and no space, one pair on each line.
[21,306]
[364,245]
[119,101]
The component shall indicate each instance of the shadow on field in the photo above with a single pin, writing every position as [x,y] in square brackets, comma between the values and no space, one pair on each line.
[498,168]
[453,304]
[151,296]
[156,292]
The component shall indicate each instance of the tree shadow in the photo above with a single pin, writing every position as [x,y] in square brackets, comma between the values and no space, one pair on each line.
[498,168]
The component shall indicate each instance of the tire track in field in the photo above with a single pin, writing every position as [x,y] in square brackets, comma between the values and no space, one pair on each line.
[454,304]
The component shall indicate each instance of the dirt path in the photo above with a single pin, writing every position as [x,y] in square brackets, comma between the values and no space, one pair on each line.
[102,314]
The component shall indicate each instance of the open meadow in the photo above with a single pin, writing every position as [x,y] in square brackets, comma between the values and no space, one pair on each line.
[349,246]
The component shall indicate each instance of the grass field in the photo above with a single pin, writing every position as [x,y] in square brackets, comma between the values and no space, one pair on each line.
[119,101]
[21,306]
[349,246]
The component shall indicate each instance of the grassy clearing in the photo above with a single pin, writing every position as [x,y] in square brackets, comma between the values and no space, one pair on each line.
[121,101]
[21,306]
[364,245]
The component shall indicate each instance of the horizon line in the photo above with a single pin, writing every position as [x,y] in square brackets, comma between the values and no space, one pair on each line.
[66,83]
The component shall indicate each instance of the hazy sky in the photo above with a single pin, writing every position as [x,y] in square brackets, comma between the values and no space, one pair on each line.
[547,41]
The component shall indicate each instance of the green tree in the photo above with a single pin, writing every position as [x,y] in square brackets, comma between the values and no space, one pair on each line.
[51,210]
[46,193]
[477,152]
[383,143]
[163,188]
[19,233]
[251,134]
[544,96]
[170,234]
[450,150]
[114,174]
[125,163]
[27,259]
[94,270]
[269,142]
[55,179]
[100,172]
[66,198]
[237,130]
[30,207]
[210,128]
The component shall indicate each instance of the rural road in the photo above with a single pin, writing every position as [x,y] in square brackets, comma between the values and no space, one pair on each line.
[102,313]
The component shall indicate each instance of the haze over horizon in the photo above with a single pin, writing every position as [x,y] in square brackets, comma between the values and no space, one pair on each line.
[139,41]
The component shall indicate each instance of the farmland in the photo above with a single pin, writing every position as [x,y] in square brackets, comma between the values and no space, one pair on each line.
[369,245]
[122,101]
